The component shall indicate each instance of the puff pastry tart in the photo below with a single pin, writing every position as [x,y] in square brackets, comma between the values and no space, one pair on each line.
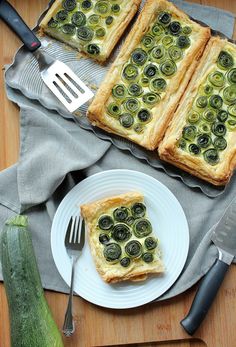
[92,26]
[202,136]
[142,88]
[121,238]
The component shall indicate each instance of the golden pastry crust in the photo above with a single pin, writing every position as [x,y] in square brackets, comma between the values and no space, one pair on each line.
[162,113]
[220,173]
[115,32]
[138,270]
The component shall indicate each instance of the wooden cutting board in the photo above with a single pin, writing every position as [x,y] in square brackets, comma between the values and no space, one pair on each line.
[149,326]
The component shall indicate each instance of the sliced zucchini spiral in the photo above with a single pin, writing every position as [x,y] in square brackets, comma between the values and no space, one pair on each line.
[211,156]
[105,222]
[133,249]
[69,5]
[168,67]
[138,210]
[121,232]
[112,252]
[125,262]
[126,120]
[120,214]
[147,257]
[85,33]
[142,227]
[139,56]
[225,60]
[78,19]
[150,243]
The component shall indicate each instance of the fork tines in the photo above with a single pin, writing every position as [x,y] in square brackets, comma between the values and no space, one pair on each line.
[75,231]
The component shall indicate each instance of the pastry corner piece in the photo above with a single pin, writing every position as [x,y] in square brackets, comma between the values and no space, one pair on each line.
[142,89]
[92,27]
[202,136]
[122,241]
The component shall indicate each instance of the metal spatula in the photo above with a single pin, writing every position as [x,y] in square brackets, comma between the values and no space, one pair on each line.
[59,78]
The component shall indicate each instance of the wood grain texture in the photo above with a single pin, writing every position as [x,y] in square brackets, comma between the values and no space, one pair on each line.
[149,326]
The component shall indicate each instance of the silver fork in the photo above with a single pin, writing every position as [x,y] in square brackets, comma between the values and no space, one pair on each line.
[74,242]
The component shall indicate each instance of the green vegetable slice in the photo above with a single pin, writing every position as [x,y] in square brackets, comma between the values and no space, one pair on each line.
[120,214]
[168,67]
[130,220]
[144,116]
[133,249]
[142,227]
[207,89]
[112,252]
[164,18]
[119,91]
[204,128]
[204,140]
[175,53]
[139,56]
[130,72]
[69,5]
[189,132]
[167,40]
[138,210]
[131,105]
[102,8]
[193,117]
[105,222]
[53,23]
[148,41]
[211,156]
[216,101]
[182,143]
[86,5]
[78,18]
[229,94]
[201,101]
[158,85]
[139,128]
[144,81]
[85,33]
[217,79]
[147,257]
[158,53]
[100,32]
[232,110]
[94,20]
[209,115]
[115,8]
[150,70]
[231,124]
[157,30]
[194,149]
[135,89]
[68,29]
[175,28]
[220,143]
[121,232]
[151,99]
[114,109]
[222,115]
[150,243]
[218,129]
[61,15]
[225,60]
[109,20]
[183,42]
[126,120]
[125,262]
[104,238]
[231,75]
[187,30]
[93,49]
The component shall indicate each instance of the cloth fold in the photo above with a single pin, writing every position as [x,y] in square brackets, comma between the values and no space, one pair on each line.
[56,154]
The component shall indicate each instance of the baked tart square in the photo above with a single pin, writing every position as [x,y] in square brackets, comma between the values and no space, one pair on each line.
[202,136]
[122,242]
[142,89]
[92,26]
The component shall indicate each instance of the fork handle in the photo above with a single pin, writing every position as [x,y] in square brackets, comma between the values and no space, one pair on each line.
[69,325]
[16,23]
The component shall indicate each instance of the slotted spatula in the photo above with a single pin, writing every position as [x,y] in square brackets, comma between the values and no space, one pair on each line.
[59,78]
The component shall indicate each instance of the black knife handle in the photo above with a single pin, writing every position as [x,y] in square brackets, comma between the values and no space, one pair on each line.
[204,296]
[16,23]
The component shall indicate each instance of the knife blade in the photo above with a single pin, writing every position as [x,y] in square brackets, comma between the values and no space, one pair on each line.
[224,237]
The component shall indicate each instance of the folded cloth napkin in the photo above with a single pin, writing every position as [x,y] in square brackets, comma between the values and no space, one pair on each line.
[56,154]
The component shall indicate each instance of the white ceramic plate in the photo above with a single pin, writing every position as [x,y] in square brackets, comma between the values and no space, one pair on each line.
[169,223]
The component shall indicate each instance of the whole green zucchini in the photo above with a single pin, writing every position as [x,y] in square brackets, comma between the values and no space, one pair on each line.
[31,321]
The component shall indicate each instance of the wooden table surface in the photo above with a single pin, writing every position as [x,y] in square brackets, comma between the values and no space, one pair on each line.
[151,325]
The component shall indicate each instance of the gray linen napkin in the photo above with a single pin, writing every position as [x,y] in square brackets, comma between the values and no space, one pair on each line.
[55,154]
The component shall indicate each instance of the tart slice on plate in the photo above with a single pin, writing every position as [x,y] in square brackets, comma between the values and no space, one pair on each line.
[142,89]
[93,27]
[202,136]
[121,238]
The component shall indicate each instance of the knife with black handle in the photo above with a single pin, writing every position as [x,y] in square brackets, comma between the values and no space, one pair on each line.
[224,237]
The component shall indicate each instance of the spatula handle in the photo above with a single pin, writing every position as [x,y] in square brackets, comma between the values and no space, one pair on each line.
[16,23]
[205,296]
